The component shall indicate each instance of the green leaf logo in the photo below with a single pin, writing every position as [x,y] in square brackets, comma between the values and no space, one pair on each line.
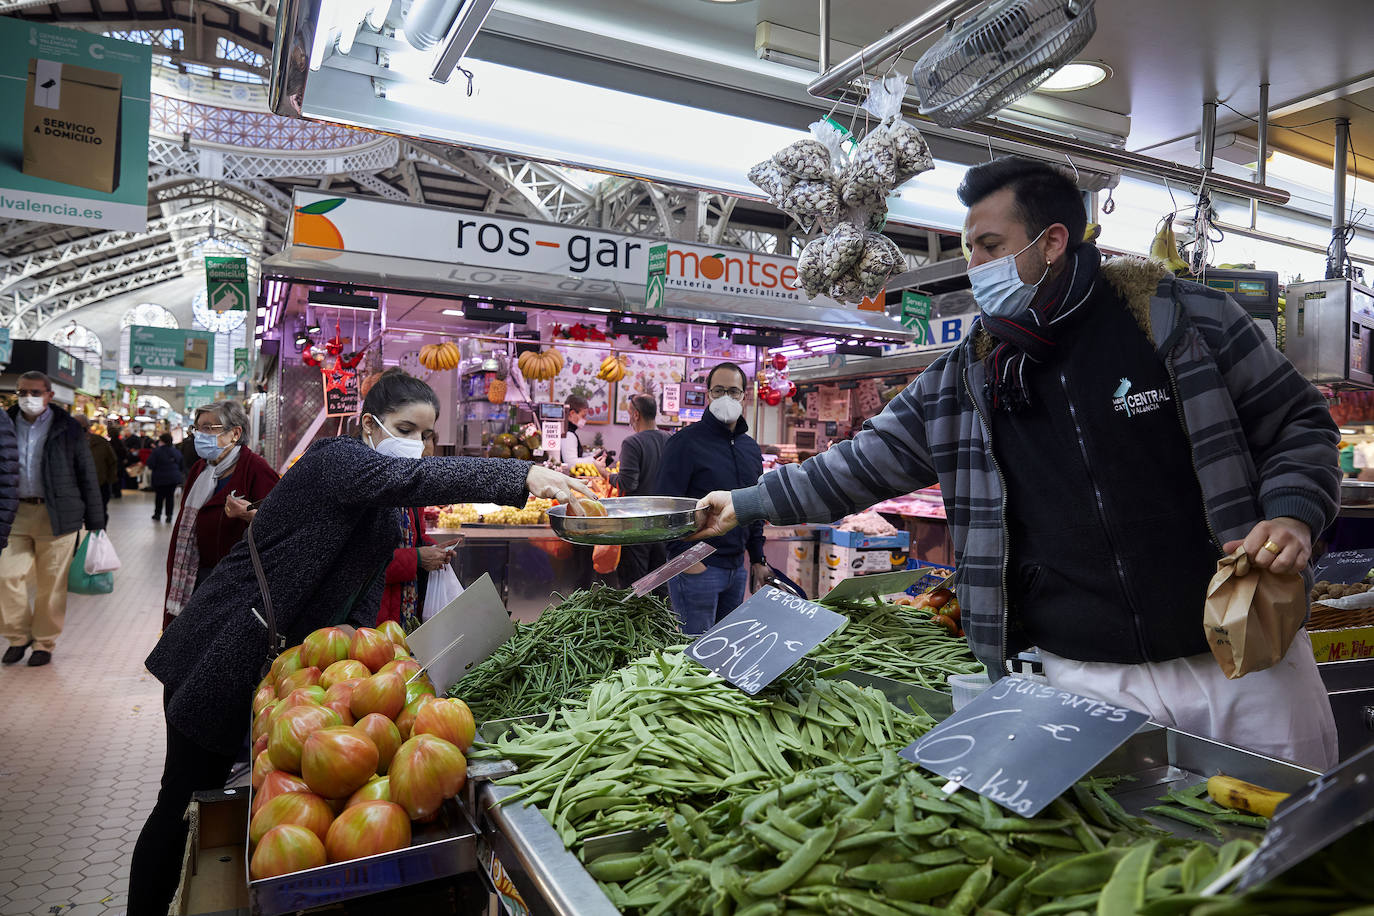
[321,207]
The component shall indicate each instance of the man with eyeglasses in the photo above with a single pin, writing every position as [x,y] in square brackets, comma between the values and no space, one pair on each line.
[716,453]
[58,493]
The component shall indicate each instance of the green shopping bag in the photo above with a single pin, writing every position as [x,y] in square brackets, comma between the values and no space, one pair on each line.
[80,582]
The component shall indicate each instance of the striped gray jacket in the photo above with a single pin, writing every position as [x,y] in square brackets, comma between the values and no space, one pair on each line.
[1263,442]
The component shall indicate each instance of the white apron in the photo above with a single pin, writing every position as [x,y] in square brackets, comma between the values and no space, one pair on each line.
[1283,711]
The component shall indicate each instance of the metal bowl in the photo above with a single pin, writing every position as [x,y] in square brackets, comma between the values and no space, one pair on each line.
[630,520]
[1357,493]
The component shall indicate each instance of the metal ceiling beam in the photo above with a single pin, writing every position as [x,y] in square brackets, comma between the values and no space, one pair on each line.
[31,319]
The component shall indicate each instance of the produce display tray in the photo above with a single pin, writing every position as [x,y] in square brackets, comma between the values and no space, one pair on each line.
[552,881]
[445,847]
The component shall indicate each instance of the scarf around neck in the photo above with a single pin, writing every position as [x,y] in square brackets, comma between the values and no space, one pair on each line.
[1034,334]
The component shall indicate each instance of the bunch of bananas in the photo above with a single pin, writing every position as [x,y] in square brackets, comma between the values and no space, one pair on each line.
[613,368]
[585,469]
[440,356]
[538,367]
[1164,247]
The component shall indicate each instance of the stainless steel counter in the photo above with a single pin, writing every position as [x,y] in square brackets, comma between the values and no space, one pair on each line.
[527,563]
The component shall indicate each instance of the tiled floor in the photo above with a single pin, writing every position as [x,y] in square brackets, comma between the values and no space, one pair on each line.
[81,741]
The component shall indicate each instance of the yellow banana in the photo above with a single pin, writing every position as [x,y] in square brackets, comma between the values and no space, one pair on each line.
[1164,247]
[1239,795]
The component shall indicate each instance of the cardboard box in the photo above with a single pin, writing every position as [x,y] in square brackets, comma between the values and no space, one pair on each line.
[71,124]
[1342,645]
[854,561]
[899,541]
[197,355]
[214,872]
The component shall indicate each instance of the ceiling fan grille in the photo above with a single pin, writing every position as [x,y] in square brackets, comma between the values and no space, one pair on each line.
[999,55]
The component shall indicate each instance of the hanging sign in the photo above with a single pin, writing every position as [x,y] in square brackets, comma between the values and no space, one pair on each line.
[6,347]
[672,397]
[201,395]
[916,314]
[764,637]
[226,283]
[241,364]
[77,135]
[109,379]
[168,351]
[341,395]
[656,281]
[1022,743]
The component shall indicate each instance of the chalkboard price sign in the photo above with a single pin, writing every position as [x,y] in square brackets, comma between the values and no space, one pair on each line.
[1331,806]
[1344,566]
[1022,743]
[763,637]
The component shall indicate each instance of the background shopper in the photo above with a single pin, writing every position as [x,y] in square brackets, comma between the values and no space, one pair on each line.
[331,570]
[166,469]
[226,480]
[576,415]
[640,455]
[106,463]
[121,461]
[713,454]
[58,493]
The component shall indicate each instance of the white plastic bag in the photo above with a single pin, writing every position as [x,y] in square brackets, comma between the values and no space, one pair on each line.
[100,555]
[441,588]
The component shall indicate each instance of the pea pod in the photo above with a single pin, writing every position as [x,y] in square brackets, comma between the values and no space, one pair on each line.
[798,864]
[972,890]
[1125,892]
[1077,875]
[927,885]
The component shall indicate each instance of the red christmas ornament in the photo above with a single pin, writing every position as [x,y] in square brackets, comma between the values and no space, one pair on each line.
[791,389]
[773,398]
[779,361]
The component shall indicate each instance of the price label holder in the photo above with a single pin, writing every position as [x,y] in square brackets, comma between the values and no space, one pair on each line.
[1344,566]
[689,557]
[466,632]
[763,637]
[860,587]
[1331,806]
[1022,743]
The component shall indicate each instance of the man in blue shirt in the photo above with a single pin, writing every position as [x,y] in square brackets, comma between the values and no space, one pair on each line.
[716,453]
[58,493]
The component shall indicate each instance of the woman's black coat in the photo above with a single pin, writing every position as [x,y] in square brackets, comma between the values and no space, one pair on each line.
[324,532]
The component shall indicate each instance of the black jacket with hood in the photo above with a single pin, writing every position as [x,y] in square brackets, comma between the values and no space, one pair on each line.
[70,488]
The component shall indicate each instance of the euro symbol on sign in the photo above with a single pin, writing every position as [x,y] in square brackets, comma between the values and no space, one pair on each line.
[1056,729]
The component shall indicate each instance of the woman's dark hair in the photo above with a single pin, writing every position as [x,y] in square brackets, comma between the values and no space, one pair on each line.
[394,389]
[645,406]
[577,402]
[165,438]
[1044,194]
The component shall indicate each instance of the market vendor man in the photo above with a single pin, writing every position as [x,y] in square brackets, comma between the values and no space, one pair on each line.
[1101,438]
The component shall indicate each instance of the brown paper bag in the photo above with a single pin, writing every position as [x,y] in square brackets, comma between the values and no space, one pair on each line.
[71,124]
[1251,614]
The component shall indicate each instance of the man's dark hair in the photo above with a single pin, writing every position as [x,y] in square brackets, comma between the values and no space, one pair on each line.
[165,438]
[394,389]
[35,376]
[577,402]
[645,406]
[1044,194]
[744,379]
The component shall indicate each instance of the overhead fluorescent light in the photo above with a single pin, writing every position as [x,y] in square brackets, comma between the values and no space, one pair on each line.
[466,22]
[344,300]
[637,328]
[494,315]
[593,308]
[452,313]
[757,340]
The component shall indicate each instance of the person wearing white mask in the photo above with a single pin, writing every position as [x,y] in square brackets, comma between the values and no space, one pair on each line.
[715,453]
[225,482]
[1101,439]
[325,536]
[58,493]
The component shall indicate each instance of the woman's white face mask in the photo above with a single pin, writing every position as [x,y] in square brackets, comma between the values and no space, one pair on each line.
[394,446]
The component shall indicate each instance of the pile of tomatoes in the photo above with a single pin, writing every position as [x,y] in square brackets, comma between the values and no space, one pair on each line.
[943,607]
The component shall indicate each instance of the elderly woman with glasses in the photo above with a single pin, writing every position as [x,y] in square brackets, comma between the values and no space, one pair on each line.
[217,502]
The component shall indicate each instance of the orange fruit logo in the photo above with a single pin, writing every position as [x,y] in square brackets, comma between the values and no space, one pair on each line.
[712,268]
[311,227]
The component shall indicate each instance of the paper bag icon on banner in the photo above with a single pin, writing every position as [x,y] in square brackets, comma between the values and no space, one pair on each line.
[1251,614]
[71,125]
[197,354]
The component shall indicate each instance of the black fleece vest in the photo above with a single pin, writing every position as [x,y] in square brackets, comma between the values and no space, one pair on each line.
[1110,548]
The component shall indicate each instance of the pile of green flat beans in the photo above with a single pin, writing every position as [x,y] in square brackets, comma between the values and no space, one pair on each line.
[874,836]
[898,642]
[568,648]
[663,732]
